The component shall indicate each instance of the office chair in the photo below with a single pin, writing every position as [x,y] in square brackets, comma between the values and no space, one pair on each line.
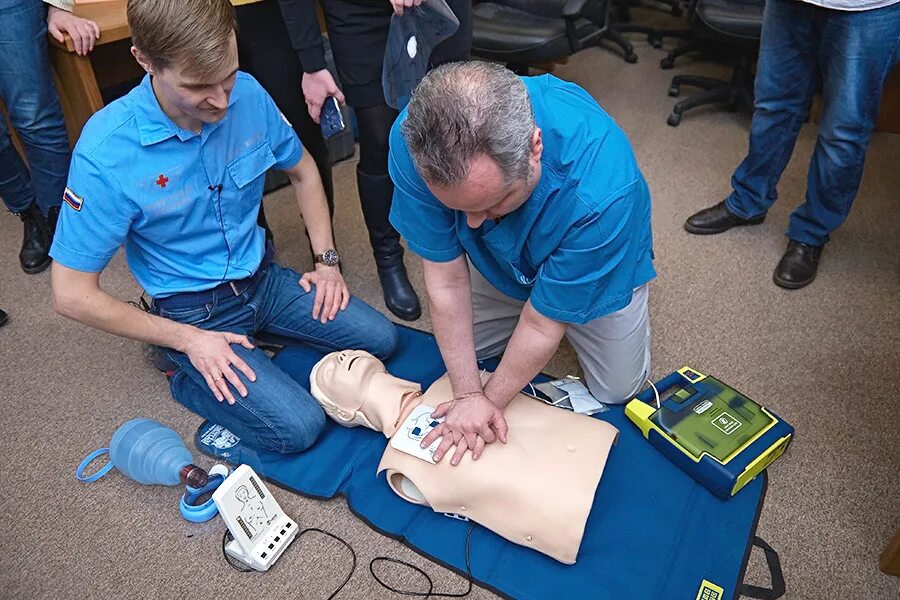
[622,19]
[730,25]
[524,32]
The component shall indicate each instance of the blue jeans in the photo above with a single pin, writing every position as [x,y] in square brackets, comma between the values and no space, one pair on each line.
[27,90]
[854,51]
[278,413]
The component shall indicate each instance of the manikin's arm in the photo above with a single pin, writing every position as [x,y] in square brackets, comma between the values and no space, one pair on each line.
[78,296]
[331,289]
[531,347]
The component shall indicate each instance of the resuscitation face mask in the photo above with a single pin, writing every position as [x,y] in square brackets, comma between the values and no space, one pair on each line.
[411,39]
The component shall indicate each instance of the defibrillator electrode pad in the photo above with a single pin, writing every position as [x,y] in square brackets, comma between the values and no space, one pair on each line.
[413,430]
[411,39]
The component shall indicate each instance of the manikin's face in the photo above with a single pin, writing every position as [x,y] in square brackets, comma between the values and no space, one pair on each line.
[191,100]
[354,388]
[485,194]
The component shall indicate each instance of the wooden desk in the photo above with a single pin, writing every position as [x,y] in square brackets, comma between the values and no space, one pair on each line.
[80,78]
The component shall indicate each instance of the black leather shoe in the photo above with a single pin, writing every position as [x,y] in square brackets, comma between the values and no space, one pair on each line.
[717,219]
[3,318]
[34,255]
[375,193]
[797,268]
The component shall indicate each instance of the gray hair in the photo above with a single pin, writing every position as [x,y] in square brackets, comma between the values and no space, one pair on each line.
[462,110]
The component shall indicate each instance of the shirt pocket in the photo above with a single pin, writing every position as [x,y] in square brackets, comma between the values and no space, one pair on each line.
[252,165]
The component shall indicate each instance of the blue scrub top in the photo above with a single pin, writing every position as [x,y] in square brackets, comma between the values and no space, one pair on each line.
[138,179]
[579,245]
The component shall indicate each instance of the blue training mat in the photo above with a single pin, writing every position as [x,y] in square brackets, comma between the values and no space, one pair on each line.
[653,533]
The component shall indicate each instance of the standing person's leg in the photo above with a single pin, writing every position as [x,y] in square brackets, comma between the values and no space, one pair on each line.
[265,51]
[784,87]
[27,89]
[614,351]
[358,34]
[858,51]
[494,315]
[376,193]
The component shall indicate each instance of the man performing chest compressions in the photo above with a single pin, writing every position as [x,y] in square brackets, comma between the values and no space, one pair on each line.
[537,490]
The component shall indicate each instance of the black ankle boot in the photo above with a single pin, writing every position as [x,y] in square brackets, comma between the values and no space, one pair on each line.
[375,193]
[34,256]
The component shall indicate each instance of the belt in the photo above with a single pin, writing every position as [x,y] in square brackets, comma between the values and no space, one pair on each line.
[235,287]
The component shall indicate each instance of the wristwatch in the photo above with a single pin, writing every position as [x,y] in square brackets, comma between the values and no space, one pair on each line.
[329,258]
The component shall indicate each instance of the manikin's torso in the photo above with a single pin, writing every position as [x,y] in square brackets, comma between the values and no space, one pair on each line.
[536,490]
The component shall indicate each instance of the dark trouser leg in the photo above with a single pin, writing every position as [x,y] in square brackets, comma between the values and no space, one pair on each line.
[785,81]
[858,51]
[27,90]
[264,51]
[376,190]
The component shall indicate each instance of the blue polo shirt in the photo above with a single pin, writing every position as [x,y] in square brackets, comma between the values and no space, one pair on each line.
[579,245]
[184,204]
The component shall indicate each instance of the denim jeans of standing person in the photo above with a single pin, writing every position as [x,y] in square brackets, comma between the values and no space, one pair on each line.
[28,92]
[278,413]
[854,51]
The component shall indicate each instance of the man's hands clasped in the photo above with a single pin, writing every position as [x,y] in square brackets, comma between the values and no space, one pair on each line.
[471,422]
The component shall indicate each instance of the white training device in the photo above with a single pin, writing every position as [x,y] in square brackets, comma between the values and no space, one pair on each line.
[260,528]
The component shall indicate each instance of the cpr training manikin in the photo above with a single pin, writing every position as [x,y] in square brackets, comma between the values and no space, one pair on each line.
[536,490]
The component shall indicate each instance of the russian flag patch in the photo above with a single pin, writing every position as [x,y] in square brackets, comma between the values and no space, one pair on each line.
[73,199]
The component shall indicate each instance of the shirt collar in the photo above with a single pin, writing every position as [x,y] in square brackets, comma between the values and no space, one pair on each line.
[154,125]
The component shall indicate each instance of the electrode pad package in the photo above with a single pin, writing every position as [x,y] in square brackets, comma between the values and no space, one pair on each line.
[411,39]
[569,393]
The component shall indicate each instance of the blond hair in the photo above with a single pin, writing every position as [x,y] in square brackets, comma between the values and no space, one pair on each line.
[193,33]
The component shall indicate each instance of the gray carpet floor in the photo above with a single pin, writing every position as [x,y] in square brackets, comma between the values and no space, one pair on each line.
[826,358]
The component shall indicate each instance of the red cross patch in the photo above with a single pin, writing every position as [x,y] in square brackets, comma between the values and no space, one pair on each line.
[162,180]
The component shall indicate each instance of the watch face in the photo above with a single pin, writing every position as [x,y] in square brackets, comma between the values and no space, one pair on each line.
[330,258]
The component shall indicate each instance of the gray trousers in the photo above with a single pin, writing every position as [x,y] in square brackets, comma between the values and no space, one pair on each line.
[614,350]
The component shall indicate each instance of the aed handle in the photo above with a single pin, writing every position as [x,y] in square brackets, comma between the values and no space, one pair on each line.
[663,385]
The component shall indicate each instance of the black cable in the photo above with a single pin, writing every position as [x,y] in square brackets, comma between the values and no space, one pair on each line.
[227,537]
[349,547]
[429,593]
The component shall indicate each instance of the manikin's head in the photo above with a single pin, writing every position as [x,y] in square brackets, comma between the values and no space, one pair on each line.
[471,133]
[354,388]
[190,50]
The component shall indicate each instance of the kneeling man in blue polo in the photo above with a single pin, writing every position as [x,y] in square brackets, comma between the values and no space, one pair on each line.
[531,183]
[175,172]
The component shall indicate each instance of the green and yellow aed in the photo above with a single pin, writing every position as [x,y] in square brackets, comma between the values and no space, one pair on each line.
[717,435]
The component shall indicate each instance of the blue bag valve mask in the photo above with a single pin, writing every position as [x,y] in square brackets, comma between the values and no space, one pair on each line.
[411,39]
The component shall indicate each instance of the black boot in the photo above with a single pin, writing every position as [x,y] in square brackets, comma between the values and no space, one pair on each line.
[34,256]
[3,318]
[375,193]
